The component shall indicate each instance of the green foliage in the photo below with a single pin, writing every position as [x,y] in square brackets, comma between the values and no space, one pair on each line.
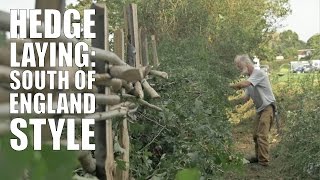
[188,174]
[298,153]
[231,27]
[44,164]
[193,131]
[313,43]
[286,43]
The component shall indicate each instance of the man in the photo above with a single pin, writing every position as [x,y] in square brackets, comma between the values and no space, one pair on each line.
[258,88]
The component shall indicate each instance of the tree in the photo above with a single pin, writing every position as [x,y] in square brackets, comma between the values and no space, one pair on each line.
[314,43]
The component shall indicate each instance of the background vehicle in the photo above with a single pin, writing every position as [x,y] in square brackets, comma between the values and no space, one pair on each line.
[315,64]
[307,68]
[298,69]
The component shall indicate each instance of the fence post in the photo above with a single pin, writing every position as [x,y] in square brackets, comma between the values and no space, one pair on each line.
[144,47]
[48,4]
[103,129]
[124,133]
[133,50]
[154,51]
[131,19]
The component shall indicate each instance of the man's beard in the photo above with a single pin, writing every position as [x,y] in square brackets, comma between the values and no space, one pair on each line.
[245,71]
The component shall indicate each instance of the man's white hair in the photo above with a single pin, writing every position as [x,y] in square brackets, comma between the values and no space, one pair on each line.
[243,59]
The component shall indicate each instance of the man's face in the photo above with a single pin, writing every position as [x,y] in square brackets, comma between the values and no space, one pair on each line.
[243,68]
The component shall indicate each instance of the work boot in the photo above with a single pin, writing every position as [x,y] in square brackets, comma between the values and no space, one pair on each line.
[252,159]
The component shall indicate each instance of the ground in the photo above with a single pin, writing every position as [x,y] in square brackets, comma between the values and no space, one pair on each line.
[243,143]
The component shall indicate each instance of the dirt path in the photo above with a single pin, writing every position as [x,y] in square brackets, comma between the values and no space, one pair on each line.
[242,135]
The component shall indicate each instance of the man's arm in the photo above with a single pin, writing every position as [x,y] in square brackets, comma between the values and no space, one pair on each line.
[241,100]
[240,85]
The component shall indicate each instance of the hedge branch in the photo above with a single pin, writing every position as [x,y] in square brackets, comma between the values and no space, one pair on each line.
[107,99]
[87,162]
[149,89]
[138,90]
[126,73]
[140,101]
[160,74]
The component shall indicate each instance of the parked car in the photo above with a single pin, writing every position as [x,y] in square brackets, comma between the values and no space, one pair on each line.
[307,68]
[298,69]
[315,64]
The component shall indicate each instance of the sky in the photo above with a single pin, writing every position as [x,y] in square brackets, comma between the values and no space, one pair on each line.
[304,20]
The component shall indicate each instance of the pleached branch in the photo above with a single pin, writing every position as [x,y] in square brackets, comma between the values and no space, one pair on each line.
[140,101]
[87,162]
[126,73]
[149,89]
[127,86]
[146,70]
[102,77]
[107,99]
[138,90]
[108,115]
[116,85]
[126,104]
[159,73]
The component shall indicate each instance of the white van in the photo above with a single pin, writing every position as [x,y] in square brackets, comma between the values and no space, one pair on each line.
[315,64]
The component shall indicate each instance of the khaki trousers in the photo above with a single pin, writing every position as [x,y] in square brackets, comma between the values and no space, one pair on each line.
[263,124]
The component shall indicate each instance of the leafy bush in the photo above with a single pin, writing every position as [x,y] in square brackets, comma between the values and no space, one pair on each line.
[299,150]
[193,130]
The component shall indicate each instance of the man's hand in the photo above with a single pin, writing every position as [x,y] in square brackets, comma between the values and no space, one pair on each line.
[234,86]
[240,85]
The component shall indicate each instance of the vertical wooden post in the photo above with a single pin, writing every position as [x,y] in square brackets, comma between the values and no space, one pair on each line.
[124,133]
[154,51]
[103,129]
[132,30]
[119,43]
[109,162]
[48,4]
[144,47]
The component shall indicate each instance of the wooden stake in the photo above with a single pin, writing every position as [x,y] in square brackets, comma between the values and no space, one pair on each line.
[132,29]
[144,47]
[109,163]
[124,134]
[154,51]
[119,43]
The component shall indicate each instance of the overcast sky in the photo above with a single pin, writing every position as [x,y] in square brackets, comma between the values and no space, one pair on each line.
[304,20]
